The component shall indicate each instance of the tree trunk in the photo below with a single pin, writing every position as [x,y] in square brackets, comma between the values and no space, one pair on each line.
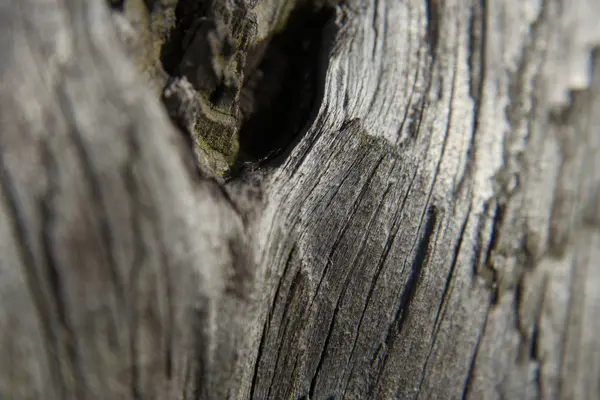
[412,210]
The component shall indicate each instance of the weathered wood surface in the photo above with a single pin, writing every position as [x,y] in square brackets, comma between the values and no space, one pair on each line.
[115,254]
[433,233]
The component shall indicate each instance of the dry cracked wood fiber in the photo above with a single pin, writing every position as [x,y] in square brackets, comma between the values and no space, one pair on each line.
[431,232]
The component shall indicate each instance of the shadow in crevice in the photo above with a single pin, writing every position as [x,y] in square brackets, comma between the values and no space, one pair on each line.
[187,15]
[281,96]
[283,76]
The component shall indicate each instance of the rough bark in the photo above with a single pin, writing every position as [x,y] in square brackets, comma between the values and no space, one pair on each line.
[431,232]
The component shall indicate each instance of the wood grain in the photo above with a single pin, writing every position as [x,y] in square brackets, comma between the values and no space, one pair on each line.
[431,233]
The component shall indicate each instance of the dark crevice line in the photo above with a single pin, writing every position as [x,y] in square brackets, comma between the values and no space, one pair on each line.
[261,349]
[433,249]
[24,242]
[139,252]
[413,281]
[518,92]
[170,323]
[291,296]
[293,329]
[441,311]
[410,288]
[410,97]
[288,263]
[537,379]
[346,102]
[387,248]
[570,322]
[187,378]
[488,262]
[349,275]
[380,69]
[534,350]
[53,269]
[392,107]
[344,129]
[423,102]
[446,132]
[408,72]
[384,41]
[465,194]
[453,265]
[190,385]
[311,137]
[295,208]
[380,265]
[477,93]
[202,378]
[296,336]
[160,241]
[435,176]
[471,371]
[283,334]
[438,232]
[433,16]
[406,296]
[376,91]
[375,27]
[495,231]
[349,171]
[96,192]
[337,242]
[322,173]
[289,392]
[478,245]
[346,226]
[521,331]
[408,92]
[529,340]
[303,154]
[269,237]
[94,186]
[313,382]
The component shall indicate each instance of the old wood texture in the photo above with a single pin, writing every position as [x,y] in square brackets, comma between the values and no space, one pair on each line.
[433,232]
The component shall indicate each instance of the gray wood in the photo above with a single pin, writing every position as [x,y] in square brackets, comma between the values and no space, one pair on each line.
[433,234]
